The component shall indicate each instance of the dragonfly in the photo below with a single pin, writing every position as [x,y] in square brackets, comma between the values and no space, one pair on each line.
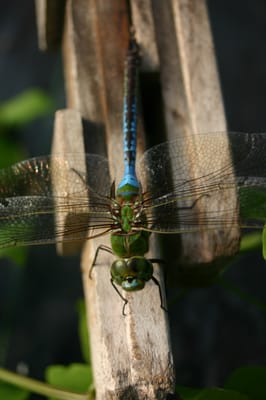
[158,194]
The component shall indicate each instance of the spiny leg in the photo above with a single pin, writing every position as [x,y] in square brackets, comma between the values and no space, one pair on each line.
[121,296]
[160,262]
[194,202]
[81,175]
[103,248]
[160,292]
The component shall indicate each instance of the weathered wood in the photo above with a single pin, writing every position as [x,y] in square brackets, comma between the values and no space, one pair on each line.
[145,33]
[67,139]
[131,355]
[193,104]
[49,17]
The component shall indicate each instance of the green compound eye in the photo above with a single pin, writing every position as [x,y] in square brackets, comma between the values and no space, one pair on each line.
[132,274]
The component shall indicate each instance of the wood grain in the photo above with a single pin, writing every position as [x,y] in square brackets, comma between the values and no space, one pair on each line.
[193,104]
[131,354]
[49,18]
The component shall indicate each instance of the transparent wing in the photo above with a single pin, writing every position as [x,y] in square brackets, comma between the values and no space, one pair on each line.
[31,200]
[179,176]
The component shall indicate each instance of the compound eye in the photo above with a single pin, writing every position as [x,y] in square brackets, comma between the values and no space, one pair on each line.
[141,267]
[131,273]
[119,271]
[135,264]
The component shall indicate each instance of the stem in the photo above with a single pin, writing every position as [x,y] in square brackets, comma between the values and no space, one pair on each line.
[39,387]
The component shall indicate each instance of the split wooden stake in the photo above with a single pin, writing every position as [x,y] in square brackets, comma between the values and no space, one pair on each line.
[132,355]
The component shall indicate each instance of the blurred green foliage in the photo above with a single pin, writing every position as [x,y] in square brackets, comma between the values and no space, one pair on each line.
[24,108]
[14,114]
[11,392]
[83,332]
[75,377]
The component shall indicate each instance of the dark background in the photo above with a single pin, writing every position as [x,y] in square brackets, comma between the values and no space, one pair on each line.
[213,331]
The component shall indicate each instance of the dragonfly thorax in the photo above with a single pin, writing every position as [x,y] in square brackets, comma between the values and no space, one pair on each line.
[128,238]
[127,214]
[128,218]
[131,273]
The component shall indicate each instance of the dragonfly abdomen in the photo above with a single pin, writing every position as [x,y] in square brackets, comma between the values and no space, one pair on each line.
[130,114]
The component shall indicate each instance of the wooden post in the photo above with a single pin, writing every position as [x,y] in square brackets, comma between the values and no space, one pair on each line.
[193,104]
[131,354]
[50,18]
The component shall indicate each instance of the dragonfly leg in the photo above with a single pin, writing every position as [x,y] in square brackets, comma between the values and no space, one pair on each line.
[103,248]
[81,175]
[194,202]
[160,292]
[160,262]
[121,296]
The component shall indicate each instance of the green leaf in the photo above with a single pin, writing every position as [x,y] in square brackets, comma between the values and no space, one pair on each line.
[11,152]
[250,242]
[83,332]
[75,377]
[24,107]
[253,203]
[10,392]
[18,255]
[250,381]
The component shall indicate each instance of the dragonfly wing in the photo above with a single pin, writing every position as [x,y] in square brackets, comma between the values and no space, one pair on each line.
[35,176]
[31,220]
[30,203]
[171,196]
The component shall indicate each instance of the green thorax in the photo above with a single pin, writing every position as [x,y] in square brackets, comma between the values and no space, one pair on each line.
[129,245]
[130,240]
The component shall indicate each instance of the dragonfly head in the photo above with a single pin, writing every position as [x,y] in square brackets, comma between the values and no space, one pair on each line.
[131,273]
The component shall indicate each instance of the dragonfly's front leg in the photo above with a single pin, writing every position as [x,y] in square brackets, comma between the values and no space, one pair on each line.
[160,262]
[103,248]
[121,296]
[194,202]
[81,175]
[160,292]
[109,250]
